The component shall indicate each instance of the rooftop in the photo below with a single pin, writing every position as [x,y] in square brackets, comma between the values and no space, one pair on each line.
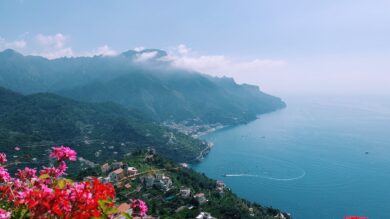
[118,171]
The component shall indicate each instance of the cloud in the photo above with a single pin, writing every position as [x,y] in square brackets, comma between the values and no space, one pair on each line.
[57,41]
[183,49]
[63,52]
[139,48]
[54,46]
[16,44]
[145,56]
[317,75]
[104,50]
[220,65]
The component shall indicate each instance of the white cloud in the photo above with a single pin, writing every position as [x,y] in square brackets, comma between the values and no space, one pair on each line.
[16,44]
[106,51]
[145,56]
[54,46]
[63,52]
[183,49]
[219,65]
[20,44]
[57,41]
[139,48]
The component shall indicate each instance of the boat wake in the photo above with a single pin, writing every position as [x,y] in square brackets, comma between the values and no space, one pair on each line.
[268,177]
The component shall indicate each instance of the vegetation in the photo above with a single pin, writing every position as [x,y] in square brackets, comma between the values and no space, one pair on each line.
[98,132]
[49,195]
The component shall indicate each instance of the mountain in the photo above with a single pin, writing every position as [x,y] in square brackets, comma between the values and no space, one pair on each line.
[141,80]
[98,131]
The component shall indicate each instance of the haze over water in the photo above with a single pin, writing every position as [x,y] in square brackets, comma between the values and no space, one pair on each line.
[320,158]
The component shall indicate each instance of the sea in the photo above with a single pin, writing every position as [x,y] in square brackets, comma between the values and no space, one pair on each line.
[319,158]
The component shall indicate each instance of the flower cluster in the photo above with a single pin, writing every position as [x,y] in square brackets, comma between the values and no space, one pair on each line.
[139,207]
[26,174]
[51,196]
[3,158]
[63,153]
[4,175]
[4,214]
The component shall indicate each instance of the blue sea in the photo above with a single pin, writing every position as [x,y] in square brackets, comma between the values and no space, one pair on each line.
[319,158]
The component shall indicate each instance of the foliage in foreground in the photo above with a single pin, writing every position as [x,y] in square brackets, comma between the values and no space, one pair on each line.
[49,195]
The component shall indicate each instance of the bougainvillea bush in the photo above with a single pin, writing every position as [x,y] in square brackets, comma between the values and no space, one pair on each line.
[47,194]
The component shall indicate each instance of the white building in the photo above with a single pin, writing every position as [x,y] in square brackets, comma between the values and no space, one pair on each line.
[163,183]
[131,171]
[280,216]
[149,181]
[200,198]
[205,215]
[185,192]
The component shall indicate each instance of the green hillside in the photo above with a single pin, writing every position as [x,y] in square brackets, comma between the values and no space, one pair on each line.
[97,131]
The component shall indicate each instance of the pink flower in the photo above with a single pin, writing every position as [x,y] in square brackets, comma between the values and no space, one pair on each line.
[18,184]
[50,196]
[139,207]
[27,173]
[17,148]
[4,214]
[62,168]
[55,171]
[63,153]
[3,158]
[4,175]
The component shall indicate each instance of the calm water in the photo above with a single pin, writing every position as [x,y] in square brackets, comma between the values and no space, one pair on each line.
[310,158]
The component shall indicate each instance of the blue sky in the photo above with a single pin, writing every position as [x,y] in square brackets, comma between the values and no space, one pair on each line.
[281,45]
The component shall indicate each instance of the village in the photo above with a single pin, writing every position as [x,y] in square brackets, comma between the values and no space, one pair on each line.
[194,128]
[123,176]
[158,185]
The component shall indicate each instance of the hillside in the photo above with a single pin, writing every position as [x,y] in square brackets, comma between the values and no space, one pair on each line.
[99,132]
[176,196]
[152,87]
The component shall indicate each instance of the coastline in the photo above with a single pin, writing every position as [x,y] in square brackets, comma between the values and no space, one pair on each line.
[198,135]
[205,151]
[199,130]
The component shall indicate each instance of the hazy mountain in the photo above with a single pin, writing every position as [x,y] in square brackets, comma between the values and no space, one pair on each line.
[139,80]
[98,131]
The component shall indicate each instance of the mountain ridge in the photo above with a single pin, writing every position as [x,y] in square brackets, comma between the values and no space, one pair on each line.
[151,86]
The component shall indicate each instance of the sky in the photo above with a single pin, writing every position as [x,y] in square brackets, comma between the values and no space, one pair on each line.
[336,47]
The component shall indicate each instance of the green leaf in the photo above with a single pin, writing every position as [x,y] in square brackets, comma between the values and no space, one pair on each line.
[44,176]
[127,216]
[111,211]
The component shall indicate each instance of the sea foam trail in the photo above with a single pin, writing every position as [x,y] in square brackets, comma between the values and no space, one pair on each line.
[268,177]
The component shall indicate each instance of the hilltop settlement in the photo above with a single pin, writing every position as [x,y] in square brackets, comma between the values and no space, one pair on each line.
[174,190]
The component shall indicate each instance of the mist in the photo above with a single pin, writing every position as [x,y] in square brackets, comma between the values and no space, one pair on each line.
[324,76]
